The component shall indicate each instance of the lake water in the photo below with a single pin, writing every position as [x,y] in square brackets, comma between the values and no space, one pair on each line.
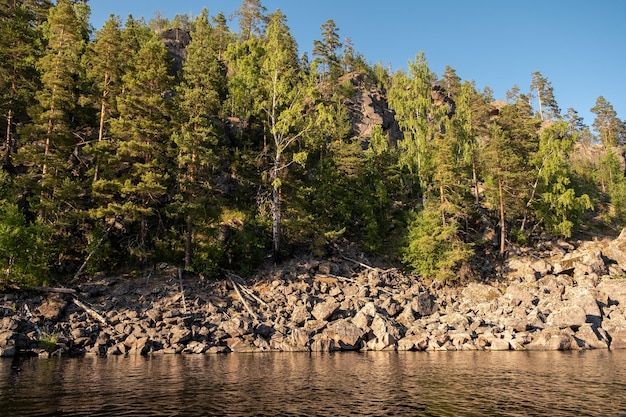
[587,383]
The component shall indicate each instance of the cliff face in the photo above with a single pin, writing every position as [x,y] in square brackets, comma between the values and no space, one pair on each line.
[176,41]
[367,108]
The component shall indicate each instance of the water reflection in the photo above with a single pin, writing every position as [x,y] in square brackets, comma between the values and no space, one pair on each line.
[590,383]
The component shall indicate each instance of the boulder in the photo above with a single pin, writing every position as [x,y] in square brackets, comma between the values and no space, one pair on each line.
[552,340]
[423,304]
[569,315]
[345,334]
[615,290]
[589,337]
[238,326]
[300,314]
[324,310]
[527,268]
[322,343]
[414,342]
[585,298]
[523,293]
[52,308]
[179,335]
[616,250]
[618,339]
[479,293]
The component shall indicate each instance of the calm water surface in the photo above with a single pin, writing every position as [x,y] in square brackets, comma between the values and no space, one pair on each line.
[590,383]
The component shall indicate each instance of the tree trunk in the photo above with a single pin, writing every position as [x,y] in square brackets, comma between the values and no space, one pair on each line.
[475,179]
[443,202]
[502,225]
[8,143]
[100,136]
[188,243]
[276,221]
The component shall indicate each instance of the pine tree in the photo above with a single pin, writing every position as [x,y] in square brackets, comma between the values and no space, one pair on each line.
[20,40]
[105,67]
[252,19]
[199,101]
[327,49]
[24,255]
[49,141]
[612,130]
[410,99]
[548,106]
[221,34]
[560,205]
[505,160]
[134,180]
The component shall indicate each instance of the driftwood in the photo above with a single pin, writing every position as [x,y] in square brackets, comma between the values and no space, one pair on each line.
[90,311]
[243,300]
[371,268]
[30,317]
[182,290]
[59,290]
[245,289]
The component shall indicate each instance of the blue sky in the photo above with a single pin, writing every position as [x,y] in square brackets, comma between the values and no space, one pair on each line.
[579,45]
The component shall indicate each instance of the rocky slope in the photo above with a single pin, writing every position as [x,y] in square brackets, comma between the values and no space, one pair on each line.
[560,298]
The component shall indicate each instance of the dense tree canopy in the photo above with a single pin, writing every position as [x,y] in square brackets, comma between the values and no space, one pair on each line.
[114,153]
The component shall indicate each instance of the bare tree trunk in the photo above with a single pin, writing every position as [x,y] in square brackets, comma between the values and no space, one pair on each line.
[8,143]
[475,179]
[276,221]
[100,136]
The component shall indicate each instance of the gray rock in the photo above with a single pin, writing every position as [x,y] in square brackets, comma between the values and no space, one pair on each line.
[588,337]
[324,310]
[345,334]
[424,304]
[52,308]
[238,326]
[616,250]
[569,315]
[618,339]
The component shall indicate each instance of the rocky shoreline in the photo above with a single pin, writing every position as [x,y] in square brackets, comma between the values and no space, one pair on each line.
[561,297]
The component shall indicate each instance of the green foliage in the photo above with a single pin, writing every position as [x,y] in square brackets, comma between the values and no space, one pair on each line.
[23,246]
[49,340]
[560,205]
[434,250]
[109,155]
[612,180]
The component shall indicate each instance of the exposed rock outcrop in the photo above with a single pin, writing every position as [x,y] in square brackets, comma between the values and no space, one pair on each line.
[368,107]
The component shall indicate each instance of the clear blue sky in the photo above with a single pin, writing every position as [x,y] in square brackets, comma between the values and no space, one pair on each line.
[579,45]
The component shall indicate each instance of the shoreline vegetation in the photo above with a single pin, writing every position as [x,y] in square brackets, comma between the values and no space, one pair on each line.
[175,186]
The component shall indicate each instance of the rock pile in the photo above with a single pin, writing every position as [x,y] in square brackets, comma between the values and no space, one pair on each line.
[568,298]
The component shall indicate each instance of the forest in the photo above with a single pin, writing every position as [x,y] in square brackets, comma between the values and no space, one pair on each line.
[118,156]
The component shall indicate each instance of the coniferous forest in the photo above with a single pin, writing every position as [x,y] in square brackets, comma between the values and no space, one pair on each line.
[122,151]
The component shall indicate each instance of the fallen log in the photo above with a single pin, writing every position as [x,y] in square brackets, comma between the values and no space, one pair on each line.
[91,311]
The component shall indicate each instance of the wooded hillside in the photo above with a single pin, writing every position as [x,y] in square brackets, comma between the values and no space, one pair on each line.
[187,143]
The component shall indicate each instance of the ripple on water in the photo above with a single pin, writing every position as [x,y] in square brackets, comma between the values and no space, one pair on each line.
[589,383]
